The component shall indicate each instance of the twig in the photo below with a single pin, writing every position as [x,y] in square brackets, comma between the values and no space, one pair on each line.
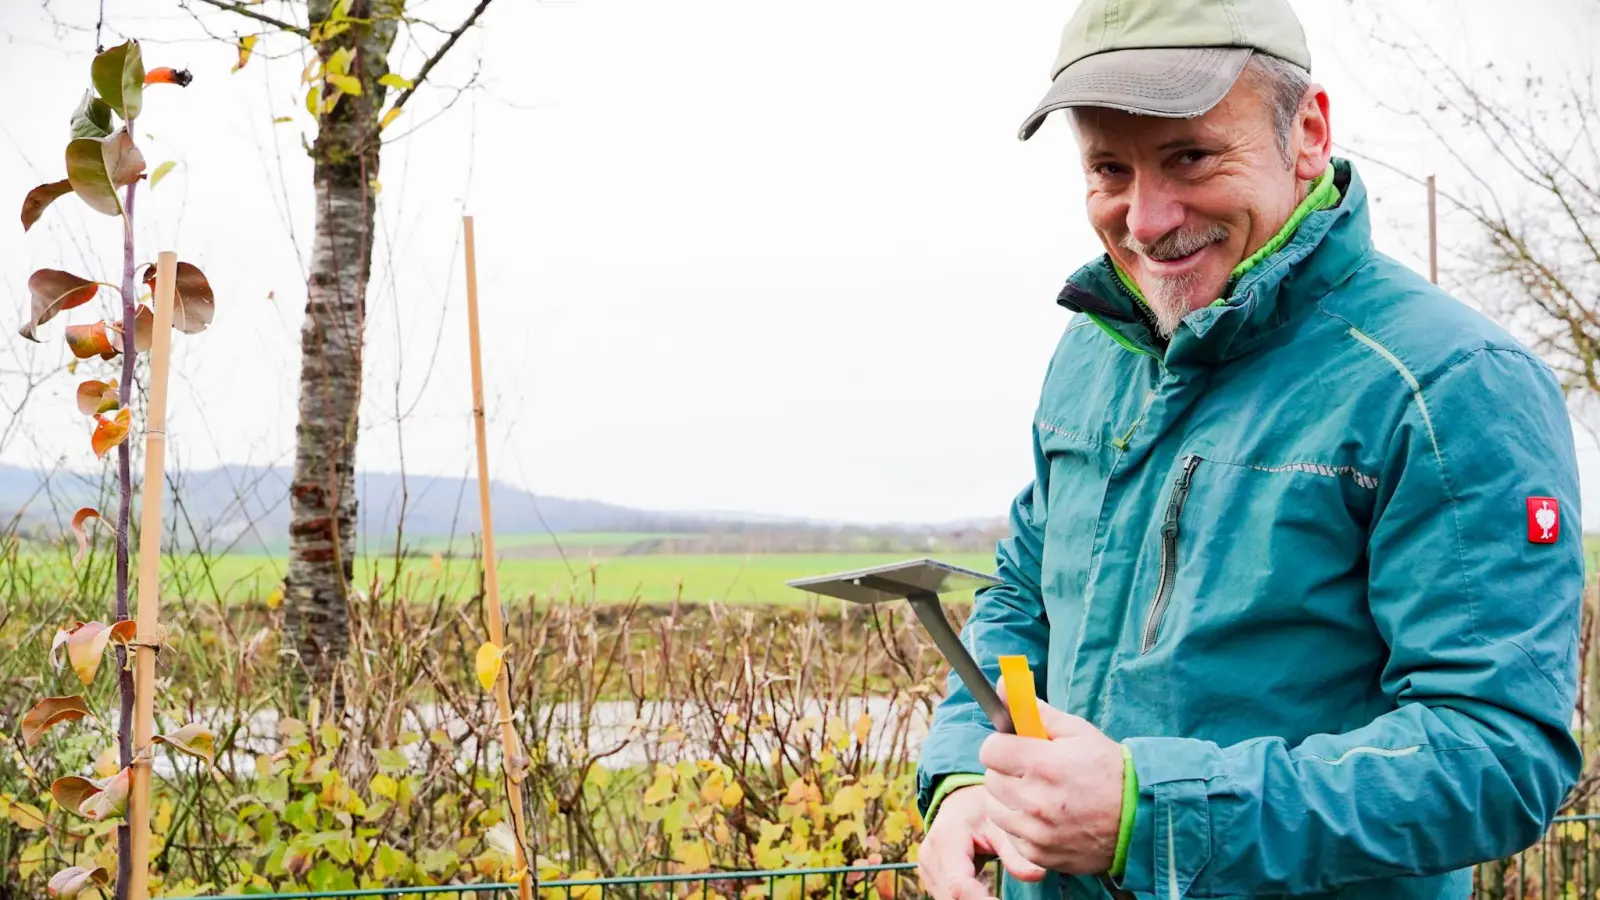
[247,12]
[422,75]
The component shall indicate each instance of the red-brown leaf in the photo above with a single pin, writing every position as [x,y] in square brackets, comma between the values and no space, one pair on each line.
[82,516]
[71,791]
[179,77]
[33,205]
[112,800]
[98,397]
[91,340]
[124,631]
[70,882]
[109,433]
[55,291]
[86,647]
[193,305]
[124,162]
[49,712]
[144,329]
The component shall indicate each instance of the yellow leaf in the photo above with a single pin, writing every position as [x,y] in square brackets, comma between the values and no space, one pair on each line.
[106,765]
[837,735]
[27,817]
[393,113]
[711,790]
[32,858]
[396,81]
[275,598]
[347,83]
[488,664]
[895,826]
[659,790]
[246,44]
[161,172]
[311,100]
[850,800]
[732,794]
[693,857]
[193,739]
[384,786]
[863,729]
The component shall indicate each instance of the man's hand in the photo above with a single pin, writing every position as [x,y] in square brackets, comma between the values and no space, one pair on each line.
[961,832]
[1058,802]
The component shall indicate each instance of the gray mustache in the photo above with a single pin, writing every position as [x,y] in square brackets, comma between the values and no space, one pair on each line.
[1175,244]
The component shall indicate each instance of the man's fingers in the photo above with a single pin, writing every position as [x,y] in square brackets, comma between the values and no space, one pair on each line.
[1060,724]
[1010,754]
[1005,790]
[1019,866]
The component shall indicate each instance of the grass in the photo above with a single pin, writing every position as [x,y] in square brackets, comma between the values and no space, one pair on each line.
[731,578]
[580,539]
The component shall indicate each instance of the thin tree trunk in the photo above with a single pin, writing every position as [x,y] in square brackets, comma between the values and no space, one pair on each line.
[322,496]
[124,516]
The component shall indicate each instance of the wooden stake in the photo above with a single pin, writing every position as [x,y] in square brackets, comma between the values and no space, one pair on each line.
[144,666]
[1433,233]
[491,576]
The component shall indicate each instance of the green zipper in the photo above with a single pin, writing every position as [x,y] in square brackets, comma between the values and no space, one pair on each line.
[1169,553]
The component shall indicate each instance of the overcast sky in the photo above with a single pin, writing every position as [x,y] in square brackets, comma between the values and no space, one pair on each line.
[734,255]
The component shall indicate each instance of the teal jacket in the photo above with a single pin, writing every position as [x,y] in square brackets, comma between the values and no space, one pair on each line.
[1290,561]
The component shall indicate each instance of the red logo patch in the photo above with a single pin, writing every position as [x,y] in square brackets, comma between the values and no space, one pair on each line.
[1544,520]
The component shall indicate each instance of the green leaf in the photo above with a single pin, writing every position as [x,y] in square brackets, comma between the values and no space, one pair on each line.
[160,173]
[279,120]
[398,82]
[339,62]
[347,83]
[391,761]
[97,167]
[118,75]
[86,171]
[92,118]
[33,205]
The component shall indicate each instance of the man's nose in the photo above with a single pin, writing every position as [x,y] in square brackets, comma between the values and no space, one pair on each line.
[1153,212]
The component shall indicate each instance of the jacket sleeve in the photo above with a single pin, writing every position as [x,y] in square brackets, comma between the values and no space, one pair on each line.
[1481,624]
[1007,618]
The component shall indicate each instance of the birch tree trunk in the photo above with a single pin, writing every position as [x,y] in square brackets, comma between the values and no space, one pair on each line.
[322,496]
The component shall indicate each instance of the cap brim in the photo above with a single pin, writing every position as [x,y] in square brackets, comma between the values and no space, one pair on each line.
[1171,82]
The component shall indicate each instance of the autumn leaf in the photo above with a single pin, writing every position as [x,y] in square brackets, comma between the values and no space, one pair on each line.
[70,882]
[349,84]
[732,795]
[82,516]
[70,792]
[488,664]
[33,205]
[399,82]
[26,816]
[54,292]
[885,883]
[118,75]
[124,631]
[169,75]
[393,113]
[193,304]
[96,167]
[246,44]
[86,646]
[144,329]
[98,397]
[160,173]
[109,433]
[92,118]
[112,799]
[91,340]
[59,641]
[863,729]
[192,739]
[501,839]
[49,712]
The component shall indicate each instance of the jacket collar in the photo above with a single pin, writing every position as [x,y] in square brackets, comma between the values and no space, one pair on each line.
[1327,247]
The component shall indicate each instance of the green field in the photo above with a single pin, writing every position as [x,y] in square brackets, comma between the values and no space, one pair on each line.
[579,539]
[731,578]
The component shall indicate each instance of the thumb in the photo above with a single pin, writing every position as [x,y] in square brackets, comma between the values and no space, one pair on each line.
[1060,724]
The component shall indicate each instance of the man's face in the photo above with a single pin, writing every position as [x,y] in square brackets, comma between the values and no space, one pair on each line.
[1179,203]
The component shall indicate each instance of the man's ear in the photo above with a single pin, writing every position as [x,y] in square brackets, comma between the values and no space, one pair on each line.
[1315,133]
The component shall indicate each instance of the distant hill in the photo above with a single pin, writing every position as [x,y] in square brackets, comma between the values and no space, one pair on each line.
[246,509]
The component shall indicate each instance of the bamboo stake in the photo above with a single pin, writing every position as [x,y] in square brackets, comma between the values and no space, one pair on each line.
[145,641]
[491,575]
[1433,232]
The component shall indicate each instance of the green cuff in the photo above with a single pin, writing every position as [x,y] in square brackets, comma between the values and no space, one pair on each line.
[1130,805]
[948,785]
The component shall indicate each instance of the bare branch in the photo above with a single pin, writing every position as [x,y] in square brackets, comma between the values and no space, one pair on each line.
[259,17]
[433,60]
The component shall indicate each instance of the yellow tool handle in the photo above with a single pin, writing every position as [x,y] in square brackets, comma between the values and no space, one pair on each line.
[1024,703]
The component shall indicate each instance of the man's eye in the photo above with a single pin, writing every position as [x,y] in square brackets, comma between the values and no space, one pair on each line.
[1190,157]
[1108,170]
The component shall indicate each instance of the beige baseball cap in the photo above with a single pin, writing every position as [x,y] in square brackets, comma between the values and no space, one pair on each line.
[1170,58]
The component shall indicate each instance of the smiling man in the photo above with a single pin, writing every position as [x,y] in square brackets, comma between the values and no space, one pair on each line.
[1300,569]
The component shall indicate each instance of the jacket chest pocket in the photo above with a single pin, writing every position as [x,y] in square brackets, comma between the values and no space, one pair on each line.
[1243,547]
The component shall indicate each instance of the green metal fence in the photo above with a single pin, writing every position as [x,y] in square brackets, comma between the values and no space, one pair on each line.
[1565,863]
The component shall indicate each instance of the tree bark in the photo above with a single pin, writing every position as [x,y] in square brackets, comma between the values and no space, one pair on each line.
[322,496]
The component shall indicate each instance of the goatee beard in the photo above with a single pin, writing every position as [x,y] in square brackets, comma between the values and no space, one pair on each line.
[1169,298]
